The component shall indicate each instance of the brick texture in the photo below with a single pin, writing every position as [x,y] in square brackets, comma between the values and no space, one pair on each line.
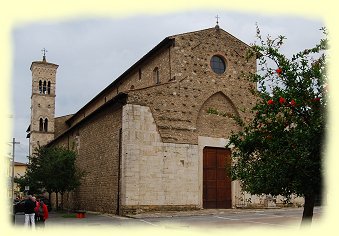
[97,143]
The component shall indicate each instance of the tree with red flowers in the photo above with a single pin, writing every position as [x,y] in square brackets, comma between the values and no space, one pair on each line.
[281,151]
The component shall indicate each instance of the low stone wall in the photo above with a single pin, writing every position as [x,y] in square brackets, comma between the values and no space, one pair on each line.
[137,209]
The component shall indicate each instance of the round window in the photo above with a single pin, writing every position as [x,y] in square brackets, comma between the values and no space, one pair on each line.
[218,64]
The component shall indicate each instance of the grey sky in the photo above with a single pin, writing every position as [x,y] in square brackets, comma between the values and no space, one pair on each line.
[92,52]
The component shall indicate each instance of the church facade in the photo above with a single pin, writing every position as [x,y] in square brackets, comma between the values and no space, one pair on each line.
[147,141]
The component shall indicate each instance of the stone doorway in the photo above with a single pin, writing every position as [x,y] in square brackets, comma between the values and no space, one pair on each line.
[216,182]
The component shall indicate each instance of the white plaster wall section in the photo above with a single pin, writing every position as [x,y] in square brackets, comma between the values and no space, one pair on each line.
[180,174]
[155,173]
[129,170]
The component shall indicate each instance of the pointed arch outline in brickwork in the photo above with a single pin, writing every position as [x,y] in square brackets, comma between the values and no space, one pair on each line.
[214,125]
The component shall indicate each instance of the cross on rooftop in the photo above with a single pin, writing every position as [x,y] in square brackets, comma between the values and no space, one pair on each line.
[44,54]
[217,19]
[44,51]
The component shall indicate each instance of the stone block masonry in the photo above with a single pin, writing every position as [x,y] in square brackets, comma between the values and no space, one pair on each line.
[96,142]
[155,174]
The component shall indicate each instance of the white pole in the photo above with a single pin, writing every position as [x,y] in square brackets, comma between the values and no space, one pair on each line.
[13,155]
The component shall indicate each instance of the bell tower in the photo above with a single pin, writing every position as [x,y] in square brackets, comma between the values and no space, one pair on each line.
[41,129]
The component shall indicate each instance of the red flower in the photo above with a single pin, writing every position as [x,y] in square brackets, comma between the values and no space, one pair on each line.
[293,103]
[279,70]
[316,99]
[282,100]
[270,102]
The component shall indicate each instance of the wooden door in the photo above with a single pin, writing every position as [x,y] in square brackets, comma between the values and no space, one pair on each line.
[216,182]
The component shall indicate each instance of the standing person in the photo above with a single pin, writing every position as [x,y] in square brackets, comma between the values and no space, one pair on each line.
[41,212]
[29,211]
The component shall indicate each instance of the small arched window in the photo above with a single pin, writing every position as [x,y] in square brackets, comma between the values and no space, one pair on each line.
[41,125]
[44,87]
[49,87]
[46,125]
[40,86]
[156,75]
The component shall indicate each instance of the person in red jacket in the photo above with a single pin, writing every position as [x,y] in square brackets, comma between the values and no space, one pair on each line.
[41,213]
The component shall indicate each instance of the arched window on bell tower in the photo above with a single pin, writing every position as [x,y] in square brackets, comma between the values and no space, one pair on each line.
[41,125]
[49,87]
[44,87]
[40,86]
[46,125]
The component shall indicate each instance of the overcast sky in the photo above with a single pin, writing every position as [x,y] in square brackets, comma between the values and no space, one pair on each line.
[93,52]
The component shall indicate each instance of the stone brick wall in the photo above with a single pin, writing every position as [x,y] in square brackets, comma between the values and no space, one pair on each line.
[89,109]
[97,142]
[43,71]
[39,139]
[43,106]
[146,77]
[60,125]
[180,106]
[187,63]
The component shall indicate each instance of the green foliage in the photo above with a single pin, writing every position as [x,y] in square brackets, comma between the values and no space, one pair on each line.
[54,169]
[281,150]
[25,180]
